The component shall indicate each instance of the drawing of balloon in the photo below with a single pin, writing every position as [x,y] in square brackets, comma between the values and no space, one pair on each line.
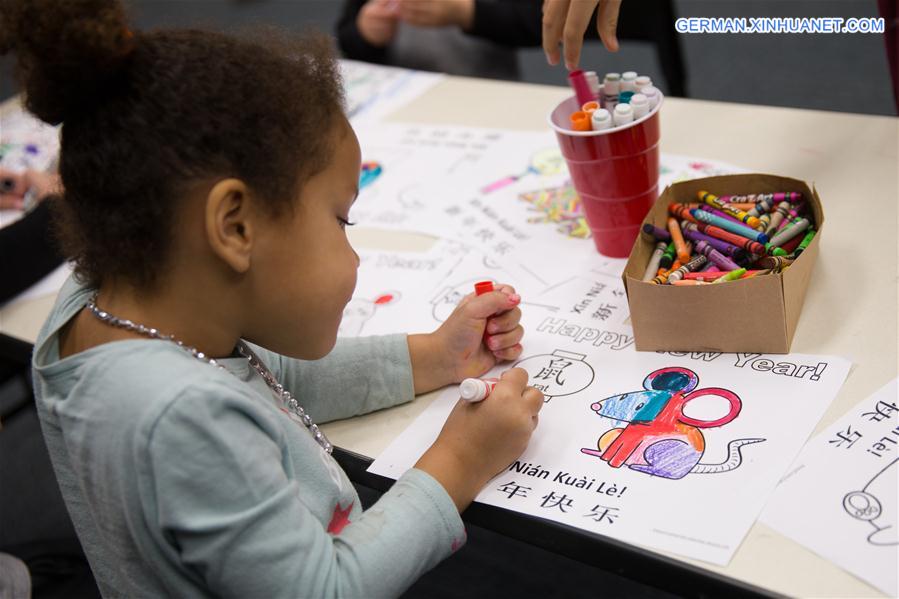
[558,374]
[547,162]
[360,310]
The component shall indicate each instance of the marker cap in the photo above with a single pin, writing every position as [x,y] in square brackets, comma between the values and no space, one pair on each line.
[642,81]
[611,84]
[624,113]
[640,104]
[629,81]
[602,119]
[482,287]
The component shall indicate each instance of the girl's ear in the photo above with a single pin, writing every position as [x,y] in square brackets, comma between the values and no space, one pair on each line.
[229,223]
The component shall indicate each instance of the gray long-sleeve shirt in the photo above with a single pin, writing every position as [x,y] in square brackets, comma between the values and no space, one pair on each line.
[186,480]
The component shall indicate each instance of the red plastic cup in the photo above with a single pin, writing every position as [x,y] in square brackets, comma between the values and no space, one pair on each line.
[615,172]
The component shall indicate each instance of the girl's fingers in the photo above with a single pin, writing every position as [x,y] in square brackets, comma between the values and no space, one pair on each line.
[504,322]
[506,340]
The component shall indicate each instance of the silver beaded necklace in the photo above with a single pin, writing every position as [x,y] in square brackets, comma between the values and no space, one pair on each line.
[277,388]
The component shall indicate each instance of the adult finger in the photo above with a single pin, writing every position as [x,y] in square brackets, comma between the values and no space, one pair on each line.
[554,14]
[607,23]
[576,23]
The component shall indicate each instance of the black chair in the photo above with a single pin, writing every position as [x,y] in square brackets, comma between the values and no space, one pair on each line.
[34,523]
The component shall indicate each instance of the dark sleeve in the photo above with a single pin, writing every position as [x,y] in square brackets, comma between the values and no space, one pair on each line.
[351,42]
[514,23]
[27,251]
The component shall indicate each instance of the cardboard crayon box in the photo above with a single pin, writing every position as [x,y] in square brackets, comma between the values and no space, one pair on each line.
[757,315]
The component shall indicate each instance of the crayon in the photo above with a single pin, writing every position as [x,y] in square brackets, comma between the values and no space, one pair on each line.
[790,232]
[653,265]
[810,234]
[792,216]
[690,283]
[790,246]
[657,233]
[731,276]
[703,276]
[776,263]
[742,230]
[662,277]
[753,247]
[690,266]
[692,205]
[761,207]
[667,256]
[713,200]
[719,214]
[681,211]
[728,249]
[777,216]
[764,221]
[678,238]
[754,273]
[780,196]
[720,260]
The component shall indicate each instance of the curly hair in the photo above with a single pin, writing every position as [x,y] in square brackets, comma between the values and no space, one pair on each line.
[146,115]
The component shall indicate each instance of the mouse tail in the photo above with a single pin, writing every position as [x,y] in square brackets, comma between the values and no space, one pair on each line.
[733,461]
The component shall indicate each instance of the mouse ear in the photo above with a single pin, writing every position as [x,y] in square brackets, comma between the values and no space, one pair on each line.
[672,378]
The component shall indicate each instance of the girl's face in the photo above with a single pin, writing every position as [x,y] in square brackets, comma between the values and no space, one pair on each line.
[304,269]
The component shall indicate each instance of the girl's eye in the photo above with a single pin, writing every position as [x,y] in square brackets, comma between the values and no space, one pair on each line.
[344,223]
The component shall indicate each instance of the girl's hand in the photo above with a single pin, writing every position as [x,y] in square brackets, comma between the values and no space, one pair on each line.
[480,439]
[482,331]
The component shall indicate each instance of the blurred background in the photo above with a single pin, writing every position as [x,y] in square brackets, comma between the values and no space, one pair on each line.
[842,72]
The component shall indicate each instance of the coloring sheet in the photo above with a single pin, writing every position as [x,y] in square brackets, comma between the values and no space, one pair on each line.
[670,450]
[374,91]
[840,497]
[415,292]
[26,142]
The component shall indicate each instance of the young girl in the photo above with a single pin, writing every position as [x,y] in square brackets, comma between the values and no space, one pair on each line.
[207,185]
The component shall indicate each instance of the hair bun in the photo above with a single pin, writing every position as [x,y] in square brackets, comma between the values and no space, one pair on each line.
[69,52]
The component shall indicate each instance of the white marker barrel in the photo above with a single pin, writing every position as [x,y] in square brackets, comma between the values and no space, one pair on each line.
[652,94]
[602,119]
[624,114]
[642,82]
[640,104]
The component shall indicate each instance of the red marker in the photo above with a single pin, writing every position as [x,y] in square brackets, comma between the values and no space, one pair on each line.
[473,390]
[483,287]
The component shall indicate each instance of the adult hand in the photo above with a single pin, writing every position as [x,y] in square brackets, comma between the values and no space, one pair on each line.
[437,13]
[377,22]
[566,21]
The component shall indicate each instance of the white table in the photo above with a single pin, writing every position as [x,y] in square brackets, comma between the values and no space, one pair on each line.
[850,308]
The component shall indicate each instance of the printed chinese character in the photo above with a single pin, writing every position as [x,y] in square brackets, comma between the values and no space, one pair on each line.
[554,370]
[601,512]
[484,235]
[511,489]
[502,248]
[849,436]
[881,410]
[603,311]
[561,501]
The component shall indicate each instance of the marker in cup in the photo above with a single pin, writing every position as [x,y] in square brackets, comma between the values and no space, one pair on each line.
[624,114]
[602,119]
[474,390]
[629,81]
[640,104]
